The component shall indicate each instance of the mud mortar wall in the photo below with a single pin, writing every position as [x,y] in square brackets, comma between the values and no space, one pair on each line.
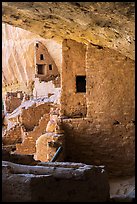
[100,143]
[30,117]
[107,134]
[72,104]
[110,85]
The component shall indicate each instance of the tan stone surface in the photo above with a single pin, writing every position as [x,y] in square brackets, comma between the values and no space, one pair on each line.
[111,24]
[47,144]
[49,68]
[28,146]
[30,117]
[110,86]
[12,136]
[11,102]
[74,63]
[101,144]
[52,123]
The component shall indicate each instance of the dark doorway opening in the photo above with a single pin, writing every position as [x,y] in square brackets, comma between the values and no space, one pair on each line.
[80,84]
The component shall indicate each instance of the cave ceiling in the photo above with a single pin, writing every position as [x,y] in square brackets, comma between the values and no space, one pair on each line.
[108,24]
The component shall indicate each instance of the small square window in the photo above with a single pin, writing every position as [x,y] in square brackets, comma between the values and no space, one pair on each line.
[41,57]
[50,66]
[80,84]
[40,69]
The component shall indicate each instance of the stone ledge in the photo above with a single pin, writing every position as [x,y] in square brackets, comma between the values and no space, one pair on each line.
[54,183]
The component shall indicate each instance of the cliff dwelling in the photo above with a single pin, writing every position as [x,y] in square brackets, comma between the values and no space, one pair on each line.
[68,102]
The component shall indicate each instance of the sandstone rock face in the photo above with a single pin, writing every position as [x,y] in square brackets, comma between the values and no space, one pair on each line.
[110,24]
[54,182]
[19,62]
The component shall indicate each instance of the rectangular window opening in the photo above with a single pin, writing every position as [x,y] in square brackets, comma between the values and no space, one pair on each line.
[50,66]
[80,84]
[37,45]
[40,69]
[41,57]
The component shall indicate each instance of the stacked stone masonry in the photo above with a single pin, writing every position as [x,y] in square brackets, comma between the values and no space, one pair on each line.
[28,146]
[99,143]
[106,135]
[30,117]
[13,135]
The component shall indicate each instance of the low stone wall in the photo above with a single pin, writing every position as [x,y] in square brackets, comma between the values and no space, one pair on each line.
[54,182]
[101,143]
[12,136]
[28,146]
[12,103]
[30,117]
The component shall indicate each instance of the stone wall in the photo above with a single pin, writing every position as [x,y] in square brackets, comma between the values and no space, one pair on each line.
[73,104]
[12,100]
[101,143]
[46,68]
[12,136]
[110,86]
[107,134]
[28,146]
[30,117]
[51,89]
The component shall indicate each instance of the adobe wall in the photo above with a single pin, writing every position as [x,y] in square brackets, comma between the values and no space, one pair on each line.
[50,90]
[72,104]
[42,57]
[110,86]
[106,135]
[13,136]
[100,143]
[12,100]
[30,117]
[28,145]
